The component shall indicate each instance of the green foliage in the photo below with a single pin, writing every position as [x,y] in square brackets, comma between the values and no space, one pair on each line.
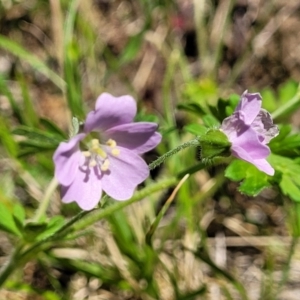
[29,114]
[7,140]
[289,182]
[196,129]
[252,180]
[286,91]
[36,140]
[286,143]
[34,231]
[201,100]
[10,218]
[32,60]
[148,244]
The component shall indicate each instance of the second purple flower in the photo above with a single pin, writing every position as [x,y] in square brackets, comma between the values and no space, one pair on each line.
[249,129]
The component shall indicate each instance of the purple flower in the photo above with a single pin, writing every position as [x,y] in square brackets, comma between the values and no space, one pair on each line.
[111,160]
[249,129]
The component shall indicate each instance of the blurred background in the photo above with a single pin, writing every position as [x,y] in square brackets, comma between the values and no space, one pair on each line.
[57,56]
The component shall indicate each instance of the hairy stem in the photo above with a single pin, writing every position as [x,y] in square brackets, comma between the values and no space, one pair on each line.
[162,158]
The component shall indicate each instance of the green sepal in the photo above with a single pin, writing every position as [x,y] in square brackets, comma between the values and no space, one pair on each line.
[214,143]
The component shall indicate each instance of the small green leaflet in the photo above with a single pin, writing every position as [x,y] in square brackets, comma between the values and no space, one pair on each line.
[252,180]
[286,143]
[8,217]
[290,176]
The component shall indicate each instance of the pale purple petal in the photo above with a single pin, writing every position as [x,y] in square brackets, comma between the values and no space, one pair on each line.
[67,158]
[232,126]
[261,164]
[249,129]
[113,118]
[263,125]
[249,107]
[85,190]
[125,172]
[110,111]
[249,141]
[139,137]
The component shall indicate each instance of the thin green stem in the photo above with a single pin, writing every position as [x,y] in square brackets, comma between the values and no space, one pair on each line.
[288,106]
[162,158]
[42,209]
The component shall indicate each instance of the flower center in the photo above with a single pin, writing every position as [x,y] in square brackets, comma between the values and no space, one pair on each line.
[97,155]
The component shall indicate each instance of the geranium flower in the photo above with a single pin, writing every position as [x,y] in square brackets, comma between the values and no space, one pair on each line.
[111,160]
[249,129]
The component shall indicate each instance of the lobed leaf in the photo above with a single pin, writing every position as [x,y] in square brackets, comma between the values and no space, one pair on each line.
[253,181]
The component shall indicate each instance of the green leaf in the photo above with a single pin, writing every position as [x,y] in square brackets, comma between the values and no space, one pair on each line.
[253,180]
[7,222]
[223,109]
[192,107]
[32,60]
[37,137]
[19,216]
[14,106]
[53,225]
[270,102]
[142,116]
[210,121]
[6,139]
[290,179]
[132,48]
[29,115]
[286,144]
[53,129]
[71,62]
[287,91]
[290,187]
[202,92]
[196,129]
[234,99]
[33,229]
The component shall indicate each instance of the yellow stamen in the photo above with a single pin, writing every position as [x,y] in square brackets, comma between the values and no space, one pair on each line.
[86,153]
[92,163]
[100,152]
[105,165]
[115,152]
[111,143]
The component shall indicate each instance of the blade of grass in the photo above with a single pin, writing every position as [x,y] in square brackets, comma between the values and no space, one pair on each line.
[30,116]
[162,212]
[204,256]
[32,60]
[71,62]
[14,106]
